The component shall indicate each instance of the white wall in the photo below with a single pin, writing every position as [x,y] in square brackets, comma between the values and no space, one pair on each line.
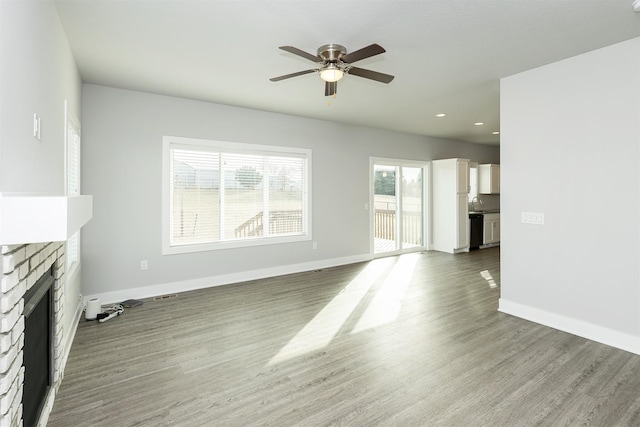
[570,138]
[122,152]
[37,73]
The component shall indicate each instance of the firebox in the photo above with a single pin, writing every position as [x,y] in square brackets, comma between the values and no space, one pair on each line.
[38,337]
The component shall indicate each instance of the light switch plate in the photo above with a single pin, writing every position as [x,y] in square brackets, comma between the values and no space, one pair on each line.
[36,126]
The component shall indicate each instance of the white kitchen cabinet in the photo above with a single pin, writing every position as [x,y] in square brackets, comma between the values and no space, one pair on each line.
[462,222]
[491,229]
[450,185]
[462,169]
[489,179]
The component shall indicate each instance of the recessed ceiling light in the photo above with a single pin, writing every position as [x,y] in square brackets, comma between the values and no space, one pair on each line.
[496,133]
[440,115]
[478,123]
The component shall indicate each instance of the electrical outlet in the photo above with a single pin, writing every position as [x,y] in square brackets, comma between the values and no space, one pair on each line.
[315,245]
[144,265]
[532,218]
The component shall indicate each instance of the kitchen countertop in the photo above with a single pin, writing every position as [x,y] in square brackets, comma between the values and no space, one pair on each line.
[487,211]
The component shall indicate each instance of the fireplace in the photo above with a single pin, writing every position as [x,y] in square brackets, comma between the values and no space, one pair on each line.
[38,351]
[32,344]
[33,229]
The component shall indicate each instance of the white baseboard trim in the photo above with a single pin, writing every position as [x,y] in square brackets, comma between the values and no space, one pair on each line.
[577,327]
[224,279]
[70,336]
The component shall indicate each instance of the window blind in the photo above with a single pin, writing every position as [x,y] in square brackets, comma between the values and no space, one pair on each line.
[73,189]
[230,193]
[73,162]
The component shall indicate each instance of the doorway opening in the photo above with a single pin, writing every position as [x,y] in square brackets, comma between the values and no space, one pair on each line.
[398,206]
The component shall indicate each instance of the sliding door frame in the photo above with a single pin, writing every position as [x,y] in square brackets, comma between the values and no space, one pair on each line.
[426,194]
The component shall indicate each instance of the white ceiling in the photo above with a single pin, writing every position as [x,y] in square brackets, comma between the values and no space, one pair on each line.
[446,55]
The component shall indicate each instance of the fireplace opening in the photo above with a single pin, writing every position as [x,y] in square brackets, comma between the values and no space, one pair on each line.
[38,335]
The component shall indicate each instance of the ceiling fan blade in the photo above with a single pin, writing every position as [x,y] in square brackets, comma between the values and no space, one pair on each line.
[368,74]
[288,76]
[330,88]
[301,53]
[365,52]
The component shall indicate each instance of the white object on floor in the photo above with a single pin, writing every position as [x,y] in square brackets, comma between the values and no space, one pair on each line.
[93,309]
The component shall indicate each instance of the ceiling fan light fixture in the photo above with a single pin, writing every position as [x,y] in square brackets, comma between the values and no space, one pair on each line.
[331,73]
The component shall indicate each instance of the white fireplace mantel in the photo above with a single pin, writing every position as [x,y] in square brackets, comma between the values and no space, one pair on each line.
[28,218]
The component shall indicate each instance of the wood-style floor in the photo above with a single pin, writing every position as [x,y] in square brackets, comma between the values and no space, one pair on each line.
[414,340]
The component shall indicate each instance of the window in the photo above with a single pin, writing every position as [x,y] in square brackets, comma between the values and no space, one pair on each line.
[473,182]
[220,195]
[72,138]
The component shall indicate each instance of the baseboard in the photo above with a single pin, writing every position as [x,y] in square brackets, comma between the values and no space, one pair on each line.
[224,279]
[70,336]
[577,327]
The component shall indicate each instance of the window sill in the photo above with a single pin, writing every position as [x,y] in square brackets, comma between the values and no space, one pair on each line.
[231,244]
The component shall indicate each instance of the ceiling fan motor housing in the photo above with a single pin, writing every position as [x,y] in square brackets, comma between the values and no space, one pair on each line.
[331,52]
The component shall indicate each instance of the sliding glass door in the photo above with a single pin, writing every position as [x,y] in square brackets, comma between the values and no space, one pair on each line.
[397,206]
[411,213]
[385,208]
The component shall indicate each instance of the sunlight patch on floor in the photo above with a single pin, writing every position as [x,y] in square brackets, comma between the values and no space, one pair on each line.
[386,304]
[321,330]
[489,278]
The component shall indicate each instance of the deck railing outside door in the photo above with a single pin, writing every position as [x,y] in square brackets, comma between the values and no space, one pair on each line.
[385,226]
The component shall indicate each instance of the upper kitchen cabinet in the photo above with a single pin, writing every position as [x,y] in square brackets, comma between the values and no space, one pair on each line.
[489,179]
[450,185]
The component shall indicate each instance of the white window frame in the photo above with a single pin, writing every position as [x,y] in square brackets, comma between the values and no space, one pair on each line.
[474,182]
[426,194]
[72,250]
[170,142]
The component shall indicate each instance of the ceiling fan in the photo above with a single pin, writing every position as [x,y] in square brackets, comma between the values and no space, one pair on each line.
[334,62]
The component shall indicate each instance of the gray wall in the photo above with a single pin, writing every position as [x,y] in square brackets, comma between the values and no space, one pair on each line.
[38,74]
[570,149]
[122,153]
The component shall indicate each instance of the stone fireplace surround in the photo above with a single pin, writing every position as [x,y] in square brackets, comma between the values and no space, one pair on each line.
[33,232]
[20,267]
